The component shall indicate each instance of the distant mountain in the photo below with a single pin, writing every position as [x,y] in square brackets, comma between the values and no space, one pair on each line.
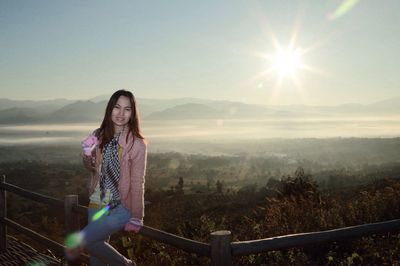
[50,105]
[217,110]
[68,111]
[392,104]
[385,107]
[186,111]
[80,111]
[18,115]
[162,104]
[148,106]
[242,110]
[100,98]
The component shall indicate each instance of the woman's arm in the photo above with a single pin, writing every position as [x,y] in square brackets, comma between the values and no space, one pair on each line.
[88,163]
[87,159]
[138,172]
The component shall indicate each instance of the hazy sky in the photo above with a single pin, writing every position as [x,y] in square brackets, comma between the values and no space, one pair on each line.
[208,49]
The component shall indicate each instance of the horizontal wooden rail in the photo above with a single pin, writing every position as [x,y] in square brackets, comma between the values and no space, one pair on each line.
[289,241]
[32,195]
[80,209]
[188,245]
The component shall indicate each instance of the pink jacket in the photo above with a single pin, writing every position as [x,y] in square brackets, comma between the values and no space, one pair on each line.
[132,173]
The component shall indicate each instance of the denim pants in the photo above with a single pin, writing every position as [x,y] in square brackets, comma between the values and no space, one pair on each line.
[97,233]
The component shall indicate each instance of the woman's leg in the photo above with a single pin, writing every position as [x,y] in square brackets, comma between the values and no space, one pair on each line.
[94,261]
[96,234]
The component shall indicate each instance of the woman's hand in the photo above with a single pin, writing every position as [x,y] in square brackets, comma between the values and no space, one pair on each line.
[134,225]
[88,162]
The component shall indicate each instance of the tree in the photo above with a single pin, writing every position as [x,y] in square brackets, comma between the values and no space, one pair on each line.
[179,187]
[219,186]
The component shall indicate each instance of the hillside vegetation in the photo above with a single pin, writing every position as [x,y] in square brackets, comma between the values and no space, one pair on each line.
[197,202]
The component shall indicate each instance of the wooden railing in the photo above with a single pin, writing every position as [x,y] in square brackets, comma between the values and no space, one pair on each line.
[221,249]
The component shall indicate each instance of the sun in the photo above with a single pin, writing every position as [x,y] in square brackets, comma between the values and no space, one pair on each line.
[286,62]
[285,67]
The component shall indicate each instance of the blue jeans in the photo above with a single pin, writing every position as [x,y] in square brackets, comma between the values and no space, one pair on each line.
[97,234]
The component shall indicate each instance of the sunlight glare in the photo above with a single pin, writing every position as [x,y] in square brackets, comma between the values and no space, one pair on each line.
[286,62]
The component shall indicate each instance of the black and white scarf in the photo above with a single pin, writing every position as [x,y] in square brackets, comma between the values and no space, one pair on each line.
[109,174]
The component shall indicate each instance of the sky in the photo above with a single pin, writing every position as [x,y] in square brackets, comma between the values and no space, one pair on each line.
[220,50]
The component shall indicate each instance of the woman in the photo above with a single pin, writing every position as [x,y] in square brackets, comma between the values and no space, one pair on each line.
[116,187]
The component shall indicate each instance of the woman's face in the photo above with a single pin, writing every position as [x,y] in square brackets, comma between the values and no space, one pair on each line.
[121,113]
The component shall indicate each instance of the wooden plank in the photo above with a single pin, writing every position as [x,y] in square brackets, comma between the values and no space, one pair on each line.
[32,195]
[296,240]
[185,244]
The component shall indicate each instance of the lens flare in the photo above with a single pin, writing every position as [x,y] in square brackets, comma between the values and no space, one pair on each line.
[342,9]
[73,240]
[100,213]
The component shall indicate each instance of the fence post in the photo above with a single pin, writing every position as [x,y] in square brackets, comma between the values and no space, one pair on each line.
[71,218]
[3,214]
[221,252]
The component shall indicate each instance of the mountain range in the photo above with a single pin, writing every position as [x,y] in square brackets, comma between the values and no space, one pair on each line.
[72,111]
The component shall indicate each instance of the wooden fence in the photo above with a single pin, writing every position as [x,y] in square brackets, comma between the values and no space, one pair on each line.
[221,249]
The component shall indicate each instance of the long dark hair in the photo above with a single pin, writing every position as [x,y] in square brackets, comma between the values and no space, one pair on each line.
[106,130]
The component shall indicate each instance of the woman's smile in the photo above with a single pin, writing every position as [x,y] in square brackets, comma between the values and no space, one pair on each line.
[121,114]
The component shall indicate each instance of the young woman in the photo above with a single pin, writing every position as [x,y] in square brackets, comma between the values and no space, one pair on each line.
[116,187]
